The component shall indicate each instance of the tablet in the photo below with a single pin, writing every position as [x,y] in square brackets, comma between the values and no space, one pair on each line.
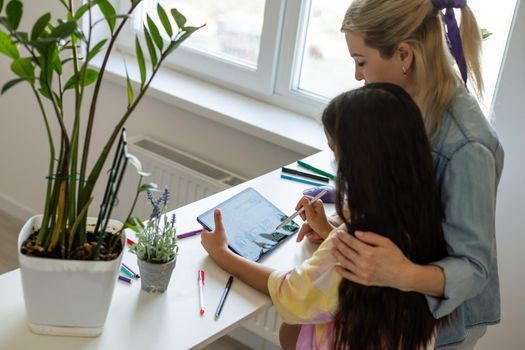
[250,221]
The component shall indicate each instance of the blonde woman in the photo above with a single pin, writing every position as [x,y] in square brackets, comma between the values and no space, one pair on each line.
[418,45]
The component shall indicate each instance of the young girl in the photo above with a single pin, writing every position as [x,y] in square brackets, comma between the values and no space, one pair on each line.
[386,178]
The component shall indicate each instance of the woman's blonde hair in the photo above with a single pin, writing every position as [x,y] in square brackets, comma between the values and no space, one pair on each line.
[384,24]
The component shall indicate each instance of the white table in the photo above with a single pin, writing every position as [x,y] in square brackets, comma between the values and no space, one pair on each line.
[137,320]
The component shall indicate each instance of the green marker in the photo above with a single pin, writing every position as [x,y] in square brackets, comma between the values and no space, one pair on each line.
[315,170]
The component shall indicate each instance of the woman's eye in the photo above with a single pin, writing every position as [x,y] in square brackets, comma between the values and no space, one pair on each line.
[360,64]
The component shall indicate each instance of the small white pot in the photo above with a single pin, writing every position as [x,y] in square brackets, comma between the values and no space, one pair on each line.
[66,297]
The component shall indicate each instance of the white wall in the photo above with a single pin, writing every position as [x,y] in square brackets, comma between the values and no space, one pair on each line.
[510,125]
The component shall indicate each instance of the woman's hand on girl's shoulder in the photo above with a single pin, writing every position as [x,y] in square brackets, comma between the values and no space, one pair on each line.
[370,259]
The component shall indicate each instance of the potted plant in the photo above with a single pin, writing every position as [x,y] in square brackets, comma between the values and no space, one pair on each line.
[69,262]
[156,247]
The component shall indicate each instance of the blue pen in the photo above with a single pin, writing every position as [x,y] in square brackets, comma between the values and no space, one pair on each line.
[283,176]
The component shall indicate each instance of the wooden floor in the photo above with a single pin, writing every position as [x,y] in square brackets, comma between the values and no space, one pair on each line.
[9,228]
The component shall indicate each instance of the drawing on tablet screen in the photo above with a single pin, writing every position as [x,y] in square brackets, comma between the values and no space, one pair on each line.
[250,221]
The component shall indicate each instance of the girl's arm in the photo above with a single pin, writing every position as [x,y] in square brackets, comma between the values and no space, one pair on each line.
[216,244]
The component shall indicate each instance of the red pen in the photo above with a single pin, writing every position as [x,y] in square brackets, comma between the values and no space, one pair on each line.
[200,280]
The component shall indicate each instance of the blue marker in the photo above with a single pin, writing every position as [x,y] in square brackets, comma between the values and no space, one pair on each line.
[287,177]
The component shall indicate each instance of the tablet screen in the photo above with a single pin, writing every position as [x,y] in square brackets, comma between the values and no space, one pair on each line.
[250,221]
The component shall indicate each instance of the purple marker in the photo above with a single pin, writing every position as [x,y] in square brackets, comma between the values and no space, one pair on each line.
[189,234]
[124,279]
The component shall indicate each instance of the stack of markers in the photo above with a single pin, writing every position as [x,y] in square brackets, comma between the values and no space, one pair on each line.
[308,178]
[127,274]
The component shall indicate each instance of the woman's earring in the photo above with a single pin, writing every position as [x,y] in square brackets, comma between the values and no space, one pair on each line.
[404,70]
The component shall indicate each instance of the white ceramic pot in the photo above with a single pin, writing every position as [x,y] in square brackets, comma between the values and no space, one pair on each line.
[66,297]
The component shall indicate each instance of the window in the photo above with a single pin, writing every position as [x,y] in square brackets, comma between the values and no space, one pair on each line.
[290,53]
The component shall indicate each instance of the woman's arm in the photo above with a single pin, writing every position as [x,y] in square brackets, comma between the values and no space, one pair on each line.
[373,260]
[216,244]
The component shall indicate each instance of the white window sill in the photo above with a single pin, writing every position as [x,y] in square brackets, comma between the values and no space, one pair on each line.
[290,130]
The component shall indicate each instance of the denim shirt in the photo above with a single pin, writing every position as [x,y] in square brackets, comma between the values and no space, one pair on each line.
[468,159]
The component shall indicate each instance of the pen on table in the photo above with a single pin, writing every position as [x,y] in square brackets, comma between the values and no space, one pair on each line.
[315,170]
[223,297]
[304,181]
[308,175]
[300,211]
[200,280]
[189,234]
[136,275]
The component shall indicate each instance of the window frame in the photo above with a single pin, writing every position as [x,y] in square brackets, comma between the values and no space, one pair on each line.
[221,70]
[276,80]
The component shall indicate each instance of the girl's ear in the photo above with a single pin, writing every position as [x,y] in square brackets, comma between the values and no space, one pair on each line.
[405,54]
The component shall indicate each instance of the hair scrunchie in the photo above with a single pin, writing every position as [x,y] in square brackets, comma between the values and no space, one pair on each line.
[453,31]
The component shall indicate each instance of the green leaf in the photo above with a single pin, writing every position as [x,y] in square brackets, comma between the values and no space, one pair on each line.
[57,62]
[150,186]
[485,33]
[44,93]
[178,17]
[95,50]
[14,13]
[57,66]
[176,43]
[165,20]
[40,26]
[141,62]
[12,83]
[151,47]
[109,13]
[130,89]
[135,224]
[157,38]
[64,29]
[24,68]
[84,8]
[91,77]
[1,5]
[7,47]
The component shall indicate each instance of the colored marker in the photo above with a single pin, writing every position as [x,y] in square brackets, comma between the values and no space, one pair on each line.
[223,297]
[200,280]
[135,275]
[126,272]
[189,234]
[302,173]
[124,279]
[315,170]
[304,181]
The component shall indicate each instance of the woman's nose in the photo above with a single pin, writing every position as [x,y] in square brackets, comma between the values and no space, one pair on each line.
[358,75]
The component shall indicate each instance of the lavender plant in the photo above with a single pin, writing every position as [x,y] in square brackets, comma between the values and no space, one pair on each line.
[156,240]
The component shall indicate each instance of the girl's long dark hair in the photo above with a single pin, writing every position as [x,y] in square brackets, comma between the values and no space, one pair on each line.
[386,177]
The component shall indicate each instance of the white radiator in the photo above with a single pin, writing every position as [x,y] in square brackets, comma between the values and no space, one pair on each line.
[187,177]
[190,179]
